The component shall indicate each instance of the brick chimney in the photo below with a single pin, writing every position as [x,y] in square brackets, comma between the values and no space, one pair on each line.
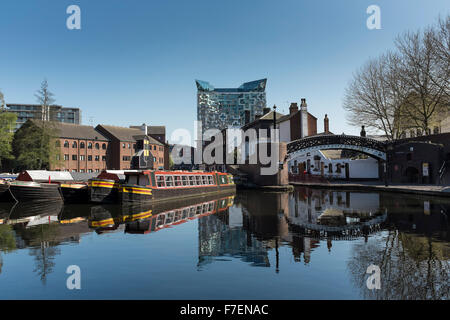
[326,124]
[293,108]
[303,118]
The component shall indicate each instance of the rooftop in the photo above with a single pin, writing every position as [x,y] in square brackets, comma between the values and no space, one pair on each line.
[257,85]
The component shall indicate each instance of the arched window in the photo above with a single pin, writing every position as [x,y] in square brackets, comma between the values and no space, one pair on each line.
[81,145]
[97,146]
[66,144]
[58,143]
[74,144]
[90,145]
[104,146]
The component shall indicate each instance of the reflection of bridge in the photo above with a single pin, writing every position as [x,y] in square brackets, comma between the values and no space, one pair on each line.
[365,145]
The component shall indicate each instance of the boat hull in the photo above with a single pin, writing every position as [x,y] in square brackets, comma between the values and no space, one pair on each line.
[39,192]
[5,195]
[75,193]
[135,193]
[103,191]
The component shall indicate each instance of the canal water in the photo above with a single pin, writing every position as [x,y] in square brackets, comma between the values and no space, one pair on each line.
[307,244]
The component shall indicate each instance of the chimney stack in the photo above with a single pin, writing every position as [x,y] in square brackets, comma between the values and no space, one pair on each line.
[303,104]
[144,128]
[363,132]
[326,124]
[293,108]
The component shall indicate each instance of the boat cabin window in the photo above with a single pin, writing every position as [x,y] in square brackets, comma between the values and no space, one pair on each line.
[178,181]
[204,180]
[132,179]
[210,180]
[160,181]
[185,180]
[198,180]
[192,180]
[169,181]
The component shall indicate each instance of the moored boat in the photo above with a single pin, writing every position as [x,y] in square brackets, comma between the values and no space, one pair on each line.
[153,186]
[33,191]
[104,188]
[4,189]
[75,192]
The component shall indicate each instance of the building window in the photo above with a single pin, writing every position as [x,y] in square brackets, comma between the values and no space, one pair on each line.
[97,146]
[97,170]
[104,146]
[58,143]
[89,158]
[90,145]
[74,170]
[97,158]
[129,146]
[74,157]
[90,170]
[103,158]
[81,145]
[82,170]
[58,157]
[66,157]
[154,147]
[338,168]
[74,144]
[134,146]
[123,145]
[82,158]
[66,144]
[126,158]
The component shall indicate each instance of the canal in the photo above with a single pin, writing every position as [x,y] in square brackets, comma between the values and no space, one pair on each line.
[307,244]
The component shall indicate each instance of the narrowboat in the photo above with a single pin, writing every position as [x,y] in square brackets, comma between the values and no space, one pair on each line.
[153,186]
[34,191]
[105,187]
[4,189]
[75,192]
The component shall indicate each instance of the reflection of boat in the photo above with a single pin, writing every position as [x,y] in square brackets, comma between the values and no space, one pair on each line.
[175,216]
[5,210]
[152,186]
[34,213]
[34,191]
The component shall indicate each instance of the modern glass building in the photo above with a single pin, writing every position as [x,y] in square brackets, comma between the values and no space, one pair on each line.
[36,111]
[220,108]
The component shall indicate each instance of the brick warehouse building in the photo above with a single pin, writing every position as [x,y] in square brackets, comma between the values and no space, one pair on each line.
[86,149]
[124,142]
[83,149]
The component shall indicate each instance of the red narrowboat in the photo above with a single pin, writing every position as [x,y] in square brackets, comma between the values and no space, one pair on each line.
[153,186]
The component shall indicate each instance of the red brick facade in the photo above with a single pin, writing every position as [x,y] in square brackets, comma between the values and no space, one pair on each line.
[82,155]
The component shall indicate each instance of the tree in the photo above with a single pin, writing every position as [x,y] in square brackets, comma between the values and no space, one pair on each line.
[7,124]
[35,143]
[371,100]
[424,70]
[404,89]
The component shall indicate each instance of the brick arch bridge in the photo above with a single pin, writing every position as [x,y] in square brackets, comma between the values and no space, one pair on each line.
[371,147]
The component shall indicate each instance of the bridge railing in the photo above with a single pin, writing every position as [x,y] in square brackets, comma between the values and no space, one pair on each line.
[335,139]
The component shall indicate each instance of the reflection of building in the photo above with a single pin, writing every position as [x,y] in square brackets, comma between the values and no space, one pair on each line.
[217,240]
[219,108]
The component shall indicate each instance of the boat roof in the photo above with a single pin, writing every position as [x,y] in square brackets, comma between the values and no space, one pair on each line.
[44,175]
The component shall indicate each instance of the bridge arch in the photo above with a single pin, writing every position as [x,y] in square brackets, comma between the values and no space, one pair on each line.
[371,147]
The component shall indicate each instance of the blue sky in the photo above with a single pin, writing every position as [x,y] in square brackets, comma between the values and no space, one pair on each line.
[136,61]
